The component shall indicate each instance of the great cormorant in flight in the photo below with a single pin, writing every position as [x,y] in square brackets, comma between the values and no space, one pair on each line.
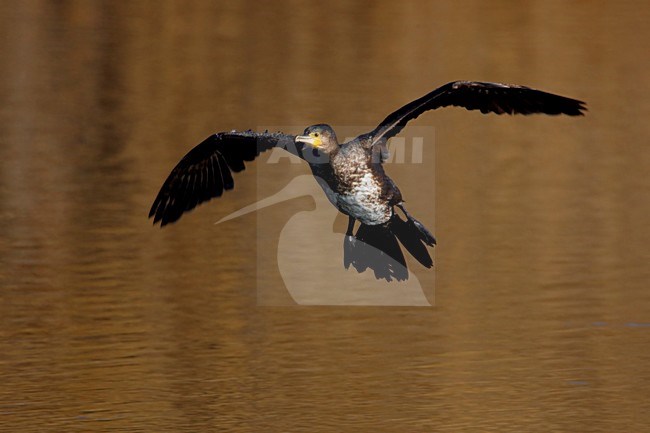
[351,173]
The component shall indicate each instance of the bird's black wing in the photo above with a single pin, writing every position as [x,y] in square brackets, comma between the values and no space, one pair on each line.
[473,95]
[205,172]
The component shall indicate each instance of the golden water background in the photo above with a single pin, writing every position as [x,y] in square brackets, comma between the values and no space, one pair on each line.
[541,320]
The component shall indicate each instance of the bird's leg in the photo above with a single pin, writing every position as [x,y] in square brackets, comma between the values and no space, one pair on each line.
[349,244]
[406,213]
[350,226]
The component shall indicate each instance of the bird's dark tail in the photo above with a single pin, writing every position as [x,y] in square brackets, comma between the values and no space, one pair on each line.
[377,247]
[413,236]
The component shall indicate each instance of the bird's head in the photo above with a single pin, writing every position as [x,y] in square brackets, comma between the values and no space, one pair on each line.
[320,137]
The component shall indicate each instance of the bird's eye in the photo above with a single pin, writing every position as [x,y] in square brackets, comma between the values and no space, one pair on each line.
[315,134]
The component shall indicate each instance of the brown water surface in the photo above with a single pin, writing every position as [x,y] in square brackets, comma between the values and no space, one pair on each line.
[541,320]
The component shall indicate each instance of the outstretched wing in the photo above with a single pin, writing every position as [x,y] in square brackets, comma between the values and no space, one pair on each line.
[205,172]
[473,95]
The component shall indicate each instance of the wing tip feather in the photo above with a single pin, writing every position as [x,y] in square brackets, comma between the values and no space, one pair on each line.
[205,172]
